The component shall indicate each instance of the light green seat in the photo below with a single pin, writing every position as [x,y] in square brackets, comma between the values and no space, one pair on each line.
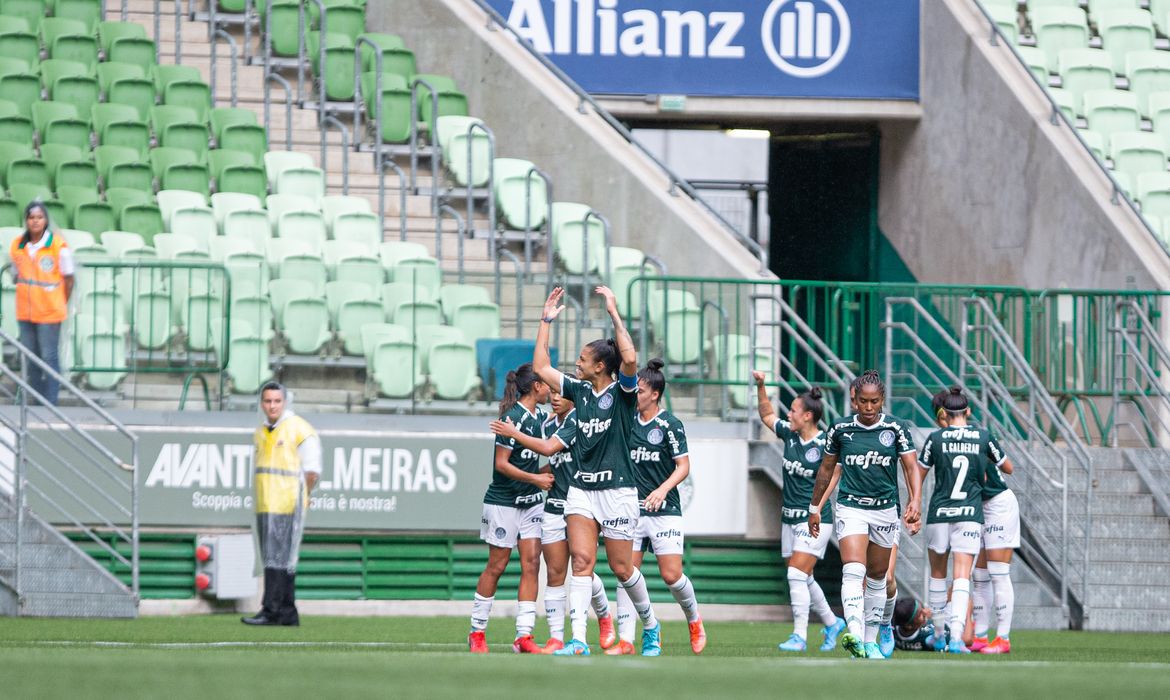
[1159,104]
[24,46]
[151,320]
[224,203]
[1148,72]
[1036,60]
[169,201]
[196,222]
[1123,31]
[339,292]
[334,205]
[580,245]
[248,364]
[1124,182]
[120,243]
[106,350]
[1111,111]
[352,317]
[170,245]
[517,184]
[452,370]
[251,224]
[680,332]
[413,314]
[1082,70]
[1058,29]
[275,250]
[338,251]
[661,302]
[1007,19]
[279,204]
[198,315]
[281,291]
[1160,9]
[394,252]
[249,273]
[305,226]
[422,272]
[625,266]
[360,269]
[339,60]
[453,296]
[276,162]
[304,181]
[375,333]
[307,268]
[358,227]
[478,320]
[108,32]
[1137,152]
[305,325]
[75,238]
[395,293]
[194,94]
[1064,99]
[88,12]
[459,143]
[257,312]
[1153,191]
[223,117]
[389,359]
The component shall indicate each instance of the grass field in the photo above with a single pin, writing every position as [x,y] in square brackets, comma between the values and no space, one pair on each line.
[216,657]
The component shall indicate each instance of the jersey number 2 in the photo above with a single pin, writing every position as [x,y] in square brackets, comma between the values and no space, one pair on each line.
[962,464]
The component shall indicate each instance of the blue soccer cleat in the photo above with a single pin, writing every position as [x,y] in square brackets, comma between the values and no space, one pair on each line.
[957,647]
[831,633]
[886,640]
[793,643]
[652,640]
[852,645]
[873,651]
[940,642]
[575,647]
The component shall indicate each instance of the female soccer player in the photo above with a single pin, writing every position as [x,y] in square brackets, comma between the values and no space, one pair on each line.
[560,432]
[803,442]
[866,446]
[1001,536]
[959,454]
[602,497]
[512,510]
[658,447]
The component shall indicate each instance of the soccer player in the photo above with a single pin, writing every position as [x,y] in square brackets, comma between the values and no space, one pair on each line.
[512,511]
[560,432]
[867,447]
[1001,536]
[602,496]
[658,448]
[914,629]
[958,454]
[803,442]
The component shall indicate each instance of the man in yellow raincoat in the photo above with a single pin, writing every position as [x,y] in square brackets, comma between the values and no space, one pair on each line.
[286,465]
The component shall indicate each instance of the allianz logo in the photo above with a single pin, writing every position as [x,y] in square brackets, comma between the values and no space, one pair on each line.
[803,38]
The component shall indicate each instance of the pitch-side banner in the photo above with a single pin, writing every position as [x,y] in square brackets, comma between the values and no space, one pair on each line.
[733,48]
[369,481]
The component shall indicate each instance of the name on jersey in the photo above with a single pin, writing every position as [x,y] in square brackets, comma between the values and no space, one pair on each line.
[966,448]
[643,454]
[593,477]
[530,499]
[795,468]
[873,458]
[594,426]
[954,511]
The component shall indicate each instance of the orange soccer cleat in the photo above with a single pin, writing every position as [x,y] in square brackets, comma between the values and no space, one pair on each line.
[620,649]
[606,631]
[978,644]
[698,637]
[552,645]
[476,642]
[526,645]
[1001,645]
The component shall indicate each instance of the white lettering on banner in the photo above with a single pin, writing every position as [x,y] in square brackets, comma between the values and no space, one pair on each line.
[205,465]
[793,30]
[643,32]
[385,469]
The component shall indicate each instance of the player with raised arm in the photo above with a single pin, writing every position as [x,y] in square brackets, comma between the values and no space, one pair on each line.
[512,512]
[804,443]
[658,449]
[867,446]
[560,432]
[602,496]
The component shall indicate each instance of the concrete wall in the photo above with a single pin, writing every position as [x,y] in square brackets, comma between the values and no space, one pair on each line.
[985,189]
[534,116]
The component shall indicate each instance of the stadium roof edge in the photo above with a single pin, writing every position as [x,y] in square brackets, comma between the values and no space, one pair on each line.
[760,110]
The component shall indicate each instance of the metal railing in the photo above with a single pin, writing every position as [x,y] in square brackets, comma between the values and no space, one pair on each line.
[490,185]
[327,121]
[446,211]
[415,84]
[50,448]
[270,78]
[722,197]
[1141,367]
[214,34]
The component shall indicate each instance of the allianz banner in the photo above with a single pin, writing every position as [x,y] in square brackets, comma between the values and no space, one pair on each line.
[761,48]
[369,481]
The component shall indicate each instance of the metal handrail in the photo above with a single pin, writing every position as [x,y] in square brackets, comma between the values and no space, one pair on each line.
[178,32]
[320,77]
[724,327]
[288,105]
[1119,195]
[401,196]
[302,31]
[677,182]
[548,193]
[328,120]
[491,190]
[603,274]
[505,253]
[436,149]
[379,157]
[215,33]
[1128,341]
[461,232]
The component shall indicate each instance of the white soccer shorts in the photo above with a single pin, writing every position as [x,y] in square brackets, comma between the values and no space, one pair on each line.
[882,527]
[1001,522]
[552,530]
[504,526]
[663,532]
[795,537]
[616,510]
[963,537]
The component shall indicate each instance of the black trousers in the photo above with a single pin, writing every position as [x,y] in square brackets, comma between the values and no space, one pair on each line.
[280,600]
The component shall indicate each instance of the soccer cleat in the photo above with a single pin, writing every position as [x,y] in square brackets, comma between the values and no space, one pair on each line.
[978,644]
[698,636]
[940,642]
[652,640]
[526,645]
[1001,645]
[476,642]
[886,640]
[957,647]
[831,633]
[622,648]
[852,645]
[574,647]
[606,631]
[873,651]
[794,643]
[552,645]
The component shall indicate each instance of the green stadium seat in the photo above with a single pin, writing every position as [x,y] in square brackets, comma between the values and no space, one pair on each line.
[453,296]
[284,26]
[394,252]
[395,293]
[29,171]
[22,90]
[170,201]
[109,32]
[453,370]
[1110,111]
[233,172]
[11,151]
[192,177]
[248,364]
[1137,152]
[192,136]
[135,92]
[1123,31]
[477,321]
[82,49]
[108,351]
[452,102]
[11,66]
[74,132]
[1082,70]
[21,45]
[397,118]
[348,20]
[163,116]
[65,85]
[457,145]
[81,173]
[193,94]
[1064,99]
[1058,29]
[662,302]
[172,245]
[305,226]
[197,223]
[1036,60]
[15,128]
[257,311]
[163,157]
[1153,191]
[56,26]
[47,111]
[580,245]
[88,12]
[1148,72]
[93,217]
[245,138]
[276,162]
[137,50]
[359,227]
[309,333]
[304,181]
[166,74]
[280,204]
[122,168]
[9,213]
[12,23]
[144,219]
[339,61]
[120,197]
[221,159]
[197,315]
[423,272]
[511,179]
[224,203]
[151,325]
[396,58]
[223,117]
[387,361]
[102,115]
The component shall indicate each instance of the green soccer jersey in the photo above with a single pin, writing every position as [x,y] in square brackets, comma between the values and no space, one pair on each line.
[654,446]
[802,460]
[508,492]
[959,458]
[601,454]
[868,456]
[562,462]
[994,483]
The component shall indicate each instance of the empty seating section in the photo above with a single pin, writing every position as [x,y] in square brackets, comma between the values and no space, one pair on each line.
[1107,65]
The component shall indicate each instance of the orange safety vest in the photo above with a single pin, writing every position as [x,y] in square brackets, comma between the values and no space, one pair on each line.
[40,287]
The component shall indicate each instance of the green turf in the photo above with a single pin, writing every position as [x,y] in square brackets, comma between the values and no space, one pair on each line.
[174,658]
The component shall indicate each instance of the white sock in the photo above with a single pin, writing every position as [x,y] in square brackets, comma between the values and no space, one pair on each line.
[960,600]
[625,616]
[888,611]
[798,592]
[580,588]
[481,610]
[525,617]
[635,586]
[875,605]
[1005,596]
[937,600]
[981,594]
[853,597]
[684,594]
[554,611]
[600,601]
[819,603]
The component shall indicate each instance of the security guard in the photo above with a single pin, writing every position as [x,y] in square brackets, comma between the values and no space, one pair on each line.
[43,271]
[286,466]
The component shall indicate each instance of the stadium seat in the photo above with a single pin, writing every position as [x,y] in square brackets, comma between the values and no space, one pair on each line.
[193,94]
[394,252]
[304,226]
[1036,60]
[189,135]
[1159,103]
[248,364]
[135,92]
[516,185]
[163,157]
[169,201]
[69,81]
[11,66]
[223,117]
[348,20]
[79,173]
[1153,191]
[339,292]
[396,60]
[306,325]
[352,317]
[451,101]
[134,135]
[1137,152]
[276,162]
[388,359]
[428,336]
[257,311]
[109,32]
[1111,111]
[22,90]
[245,138]
[1064,99]
[10,214]
[284,27]
[453,296]
[103,115]
[122,167]
[10,152]
[335,205]
[282,291]
[29,171]
[151,321]
[31,11]
[359,227]
[164,75]
[94,217]
[224,203]
[1008,21]
[222,247]
[1058,29]
[309,269]
[192,177]
[87,12]
[21,45]
[375,333]
[172,245]
[1123,31]
[339,60]
[15,128]
[72,47]
[417,313]
[137,50]
[395,293]
[477,321]
[108,351]
[625,266]
[422,272]
[359,268]
[1148,72]
[280,204]
[452,370]
[249,273]
[1082,70]
[304,181]
[144,219]
[397,118]
[580,245]
[244,179]
[457,145]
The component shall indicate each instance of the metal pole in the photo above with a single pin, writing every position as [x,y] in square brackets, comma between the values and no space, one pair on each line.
[215,35]
[327,121]
[178,32]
